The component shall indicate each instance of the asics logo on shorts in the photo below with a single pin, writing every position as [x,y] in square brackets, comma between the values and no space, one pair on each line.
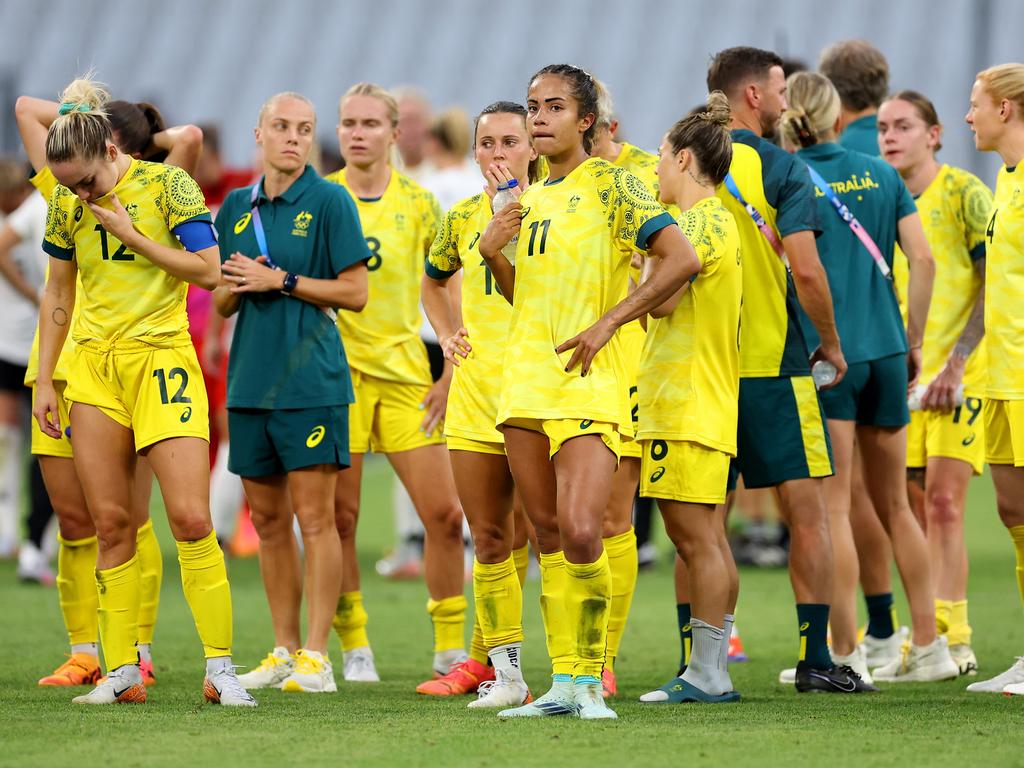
[657,474]
[968,440]
[805,626]
[586,423]
[316,436]
[186,415]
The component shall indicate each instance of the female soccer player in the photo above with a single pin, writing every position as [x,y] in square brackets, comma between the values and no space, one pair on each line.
[296,254]
[397,409]
[870,403]
[561,425]
[997,118]
[945,440]
[476,348]
[689,389]
[132,232]
[76,554]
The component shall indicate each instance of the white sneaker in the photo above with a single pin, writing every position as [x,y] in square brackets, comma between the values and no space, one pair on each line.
[222,687]
[272,671]
[359,666]
[122,686]
[313,673]
[33,565]
[880,652]
[917,664]
[557,701]
[1013,676]
[590,702]
[1015,689]
[500,693]
[965,659]
[788,676]
[854,661]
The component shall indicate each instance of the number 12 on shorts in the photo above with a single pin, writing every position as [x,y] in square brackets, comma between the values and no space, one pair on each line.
[175,373]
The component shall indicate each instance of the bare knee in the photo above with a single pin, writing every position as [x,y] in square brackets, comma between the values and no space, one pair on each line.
[444,522]
[315,522]
[74,521]
[272,525]
[942,507]
[490,542]
[113,526]
[581,541]
[346,515]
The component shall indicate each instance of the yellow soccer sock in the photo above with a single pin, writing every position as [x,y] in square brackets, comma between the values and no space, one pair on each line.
[588,595]
[942,611]
[622,561]
[1017,534]
[118,612]
[151,563]
[350,621]
[76,588]
[959,627]
[560,636]
[499,602]
[521,557]
[449,617]
[204,579]
[477,647]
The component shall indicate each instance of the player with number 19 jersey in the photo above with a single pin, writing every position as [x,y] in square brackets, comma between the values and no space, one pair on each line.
[476,383]
[134,358]
[577,238]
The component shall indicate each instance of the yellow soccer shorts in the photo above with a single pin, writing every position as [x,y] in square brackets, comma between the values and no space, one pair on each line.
[468,444]
[1004,432]
[42,443]
[959,434]
[560,431]
[387,416]
[680,470]
[158,393]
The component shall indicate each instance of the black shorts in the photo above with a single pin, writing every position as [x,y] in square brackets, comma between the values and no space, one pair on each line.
[12,377]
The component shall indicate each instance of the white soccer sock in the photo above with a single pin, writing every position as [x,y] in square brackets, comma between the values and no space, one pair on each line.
[702,671]
[226,494]
[505,659]
[443,660]
[145,652]
[90,648]
[724,680]
[218,664]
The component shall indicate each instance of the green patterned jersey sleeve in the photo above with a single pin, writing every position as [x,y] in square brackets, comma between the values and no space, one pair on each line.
[443,259]
[57,239]
[976,199]
[634,211]
[183,199]
[432,217]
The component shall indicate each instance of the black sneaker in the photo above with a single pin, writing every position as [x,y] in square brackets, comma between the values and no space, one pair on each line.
[835,680]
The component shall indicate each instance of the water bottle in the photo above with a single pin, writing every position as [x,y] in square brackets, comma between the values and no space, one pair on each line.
[915,397]
[823,373]
[502,200]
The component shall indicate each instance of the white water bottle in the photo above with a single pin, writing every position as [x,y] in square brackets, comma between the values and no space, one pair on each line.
[824,373]
[915,397]
[502,200]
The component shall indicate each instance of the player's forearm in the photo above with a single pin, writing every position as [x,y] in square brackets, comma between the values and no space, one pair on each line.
[974,330]
[502,271]
[55,310]
[919,297]
[811,284]
[225,302]
[202,269]
[349,290]
[674,263]
[437,304]
[10,272]
[34,118]
[183,144]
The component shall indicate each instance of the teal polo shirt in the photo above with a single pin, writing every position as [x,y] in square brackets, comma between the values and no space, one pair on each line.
[287,353]
[867,313]
[862,135]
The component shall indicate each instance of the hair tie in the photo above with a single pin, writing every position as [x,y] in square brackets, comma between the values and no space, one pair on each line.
[71,106]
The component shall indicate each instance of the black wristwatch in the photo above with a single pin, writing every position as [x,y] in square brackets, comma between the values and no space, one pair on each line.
[290,281]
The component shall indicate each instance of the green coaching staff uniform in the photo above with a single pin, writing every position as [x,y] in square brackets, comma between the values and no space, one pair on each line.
[874,390]
[288,379]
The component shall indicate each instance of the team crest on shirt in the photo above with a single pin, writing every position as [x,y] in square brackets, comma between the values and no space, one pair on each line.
[399,221]
[302,222]
[574,202]
[133,211]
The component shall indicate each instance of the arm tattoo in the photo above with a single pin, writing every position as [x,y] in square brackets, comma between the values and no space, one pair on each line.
[59,316]
[974,330]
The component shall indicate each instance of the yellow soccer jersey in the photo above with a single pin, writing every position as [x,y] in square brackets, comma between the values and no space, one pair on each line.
[954,210]
[384,339]
[124,295]
[1004,288]
[577,237]
[476,385]
[45,183]
[689,371]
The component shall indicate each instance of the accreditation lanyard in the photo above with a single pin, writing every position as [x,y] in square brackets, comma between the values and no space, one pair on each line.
[257,224]
[759,220]
[855,226]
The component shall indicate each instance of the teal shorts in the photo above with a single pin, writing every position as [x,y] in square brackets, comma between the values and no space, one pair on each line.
[873,394]
[275,442]
[781,433]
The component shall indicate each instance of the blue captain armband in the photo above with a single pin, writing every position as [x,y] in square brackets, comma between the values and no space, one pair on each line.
[196,234]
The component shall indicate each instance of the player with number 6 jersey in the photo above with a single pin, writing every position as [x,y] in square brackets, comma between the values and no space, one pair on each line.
[397,410]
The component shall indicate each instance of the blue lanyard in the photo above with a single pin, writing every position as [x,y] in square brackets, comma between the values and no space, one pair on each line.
[257,224]
[759,220]
[855,226]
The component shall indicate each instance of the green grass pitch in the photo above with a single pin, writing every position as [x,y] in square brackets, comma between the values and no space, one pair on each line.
[388,724]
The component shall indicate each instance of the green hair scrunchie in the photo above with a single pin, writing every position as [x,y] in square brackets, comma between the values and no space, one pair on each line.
[71,106]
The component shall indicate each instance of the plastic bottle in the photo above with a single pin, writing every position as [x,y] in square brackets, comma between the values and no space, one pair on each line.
[823,373]
[915,397]
[502,200]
